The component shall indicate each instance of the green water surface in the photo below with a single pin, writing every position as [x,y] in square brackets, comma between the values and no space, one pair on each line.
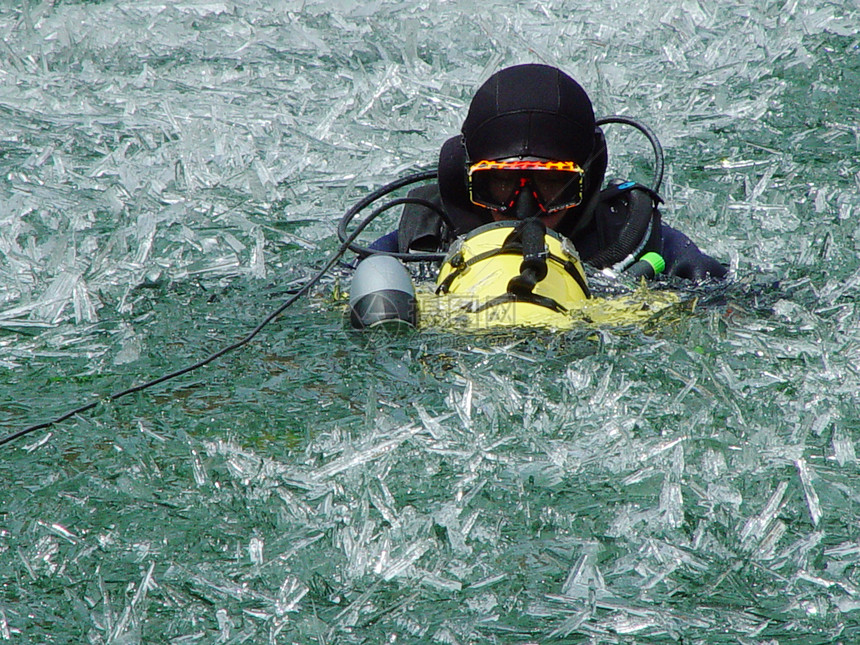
[171,172]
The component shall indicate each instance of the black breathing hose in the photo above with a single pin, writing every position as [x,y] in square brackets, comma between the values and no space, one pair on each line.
[387,189]
[659,161]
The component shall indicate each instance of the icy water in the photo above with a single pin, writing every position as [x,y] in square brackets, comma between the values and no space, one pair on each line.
[171,171]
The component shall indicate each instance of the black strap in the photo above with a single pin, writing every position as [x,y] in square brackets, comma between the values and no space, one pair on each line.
[533,298]
[462,265]
[578,277]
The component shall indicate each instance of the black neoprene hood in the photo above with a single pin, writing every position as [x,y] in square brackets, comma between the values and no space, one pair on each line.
[530,111]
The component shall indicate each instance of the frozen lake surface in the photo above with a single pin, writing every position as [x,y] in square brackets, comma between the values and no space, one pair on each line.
[171,171]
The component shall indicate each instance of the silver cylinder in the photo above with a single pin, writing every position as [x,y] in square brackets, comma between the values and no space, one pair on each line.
[382,293]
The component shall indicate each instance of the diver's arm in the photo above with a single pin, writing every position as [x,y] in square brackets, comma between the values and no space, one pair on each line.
[387,243]
[685,260]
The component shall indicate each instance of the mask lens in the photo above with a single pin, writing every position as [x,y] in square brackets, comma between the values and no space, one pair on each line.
[557,189]
[495,189]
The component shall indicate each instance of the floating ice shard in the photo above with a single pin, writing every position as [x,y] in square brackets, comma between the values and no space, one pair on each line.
[672,504]
[409,556]
[812,501]
[463,404]
[128,625]
[198,469]
[130,347]
[754,529]
[367,454]
[584,580]
[843,447]
[255,550]
[290,595]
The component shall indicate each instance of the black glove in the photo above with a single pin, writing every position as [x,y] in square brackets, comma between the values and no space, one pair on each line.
[692,264]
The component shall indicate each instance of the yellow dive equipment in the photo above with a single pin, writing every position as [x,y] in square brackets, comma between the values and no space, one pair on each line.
[474,286]
[480,285]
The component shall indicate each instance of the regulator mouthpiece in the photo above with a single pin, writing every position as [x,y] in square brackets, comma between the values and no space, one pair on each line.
[526,205]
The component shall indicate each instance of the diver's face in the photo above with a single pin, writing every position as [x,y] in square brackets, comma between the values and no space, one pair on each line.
[550,220]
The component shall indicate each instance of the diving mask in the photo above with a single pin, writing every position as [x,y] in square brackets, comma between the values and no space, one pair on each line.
[555,185]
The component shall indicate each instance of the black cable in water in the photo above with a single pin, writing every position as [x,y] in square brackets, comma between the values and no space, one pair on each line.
[335,257]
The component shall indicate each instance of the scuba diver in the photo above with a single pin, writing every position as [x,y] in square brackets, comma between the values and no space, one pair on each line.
[530,148]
